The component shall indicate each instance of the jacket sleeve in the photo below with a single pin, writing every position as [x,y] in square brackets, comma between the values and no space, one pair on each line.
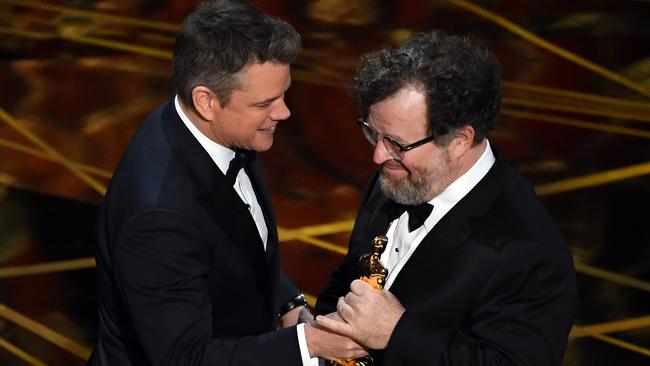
[521,317]
[160,268]
[285,290]
[338,286]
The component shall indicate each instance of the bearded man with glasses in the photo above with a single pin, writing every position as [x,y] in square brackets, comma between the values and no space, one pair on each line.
[478,271]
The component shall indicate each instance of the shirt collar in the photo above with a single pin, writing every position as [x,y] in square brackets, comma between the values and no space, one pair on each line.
[221,155]
[461,186]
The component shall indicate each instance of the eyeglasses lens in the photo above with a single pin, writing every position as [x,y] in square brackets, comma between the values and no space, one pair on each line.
[392,149]
[374,138]
[370,135]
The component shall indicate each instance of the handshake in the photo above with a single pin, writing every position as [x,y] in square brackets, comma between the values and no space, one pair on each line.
[364,318]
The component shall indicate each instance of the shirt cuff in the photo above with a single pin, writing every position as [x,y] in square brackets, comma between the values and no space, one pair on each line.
[304,351]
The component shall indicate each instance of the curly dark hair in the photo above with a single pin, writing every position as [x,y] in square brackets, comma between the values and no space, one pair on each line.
[219,39]
[461,81]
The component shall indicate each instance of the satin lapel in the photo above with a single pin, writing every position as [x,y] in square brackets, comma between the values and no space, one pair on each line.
[263,195]
[373,220]
[449,233]
[234,217]
[217,196]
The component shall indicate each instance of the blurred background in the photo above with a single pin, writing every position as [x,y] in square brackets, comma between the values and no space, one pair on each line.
[78,76]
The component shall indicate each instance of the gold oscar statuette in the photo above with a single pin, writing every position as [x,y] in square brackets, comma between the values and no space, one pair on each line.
[374,273]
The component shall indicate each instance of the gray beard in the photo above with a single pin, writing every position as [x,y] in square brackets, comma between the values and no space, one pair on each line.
[406,192]
[419,186]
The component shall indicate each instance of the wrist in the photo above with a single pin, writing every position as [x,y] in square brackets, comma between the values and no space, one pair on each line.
[297,301]
[311,335]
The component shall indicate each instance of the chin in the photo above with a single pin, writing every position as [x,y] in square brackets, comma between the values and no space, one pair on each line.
[262,147]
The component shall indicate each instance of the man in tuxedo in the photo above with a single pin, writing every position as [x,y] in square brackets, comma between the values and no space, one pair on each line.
[478,272]
[187,254]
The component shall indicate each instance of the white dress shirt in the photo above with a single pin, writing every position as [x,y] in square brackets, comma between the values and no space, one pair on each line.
[222,156]
[398,232]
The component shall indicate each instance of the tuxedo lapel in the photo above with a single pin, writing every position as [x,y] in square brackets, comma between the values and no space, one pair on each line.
[233,216]
[217,196]
[448,234]
[377,217]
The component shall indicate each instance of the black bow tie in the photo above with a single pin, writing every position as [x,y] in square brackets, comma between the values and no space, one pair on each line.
[241,159]
[418,214]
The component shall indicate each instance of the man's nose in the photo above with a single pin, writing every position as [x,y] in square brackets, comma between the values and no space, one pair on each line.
[380,154]
[281,111]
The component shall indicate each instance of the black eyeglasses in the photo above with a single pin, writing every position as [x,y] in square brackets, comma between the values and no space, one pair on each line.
[394,148]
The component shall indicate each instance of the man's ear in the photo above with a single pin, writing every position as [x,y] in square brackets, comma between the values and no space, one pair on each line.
[462,142]
[205,102]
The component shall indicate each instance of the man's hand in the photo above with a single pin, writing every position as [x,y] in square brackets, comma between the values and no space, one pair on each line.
[296,315]
[369,315]
[324,344]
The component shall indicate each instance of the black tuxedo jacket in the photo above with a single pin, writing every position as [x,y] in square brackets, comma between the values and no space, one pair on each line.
[491,284]
[183,275]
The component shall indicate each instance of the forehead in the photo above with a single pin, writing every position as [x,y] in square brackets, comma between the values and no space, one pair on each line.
[403,114]
[268,77]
